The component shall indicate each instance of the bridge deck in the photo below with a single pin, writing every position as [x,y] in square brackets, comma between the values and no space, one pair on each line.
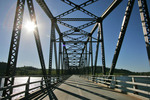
[76,88]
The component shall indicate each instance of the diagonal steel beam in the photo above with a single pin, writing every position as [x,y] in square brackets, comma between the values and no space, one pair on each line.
[76,7]
[39,48]
[145,19]
[88,13]
[50,15]
[87,25]
[67,12]
[72,27]
[14,47]
[122,34]
[79,28]
[87,3]
[113,5]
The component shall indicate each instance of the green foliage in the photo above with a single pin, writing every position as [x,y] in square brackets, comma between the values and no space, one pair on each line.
[117,71]
[3,67]
[29,70]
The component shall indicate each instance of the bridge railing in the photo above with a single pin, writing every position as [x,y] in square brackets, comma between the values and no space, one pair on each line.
[134,85]
[29,85]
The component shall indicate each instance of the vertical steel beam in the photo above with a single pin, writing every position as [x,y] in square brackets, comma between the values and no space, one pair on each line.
[39,48]
[91,52]
[102,48]
[86,59]
[122,34]
[97,48]
[89,60]
[63,62]
[59,59]
[14,46]
[55,53]
[51,48]
[145,19]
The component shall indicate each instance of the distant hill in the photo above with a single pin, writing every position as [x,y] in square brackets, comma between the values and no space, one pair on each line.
[117,71]
[29,70]
[26,70]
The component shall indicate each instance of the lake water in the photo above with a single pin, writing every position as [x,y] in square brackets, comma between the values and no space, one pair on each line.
[21,80]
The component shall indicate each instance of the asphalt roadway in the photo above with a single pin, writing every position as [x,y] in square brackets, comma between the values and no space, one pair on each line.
[76,88]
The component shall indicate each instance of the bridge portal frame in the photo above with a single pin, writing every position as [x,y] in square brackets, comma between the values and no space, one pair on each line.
[86,56]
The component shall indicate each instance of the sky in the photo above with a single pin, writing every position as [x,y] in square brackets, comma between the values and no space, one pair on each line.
[133,54]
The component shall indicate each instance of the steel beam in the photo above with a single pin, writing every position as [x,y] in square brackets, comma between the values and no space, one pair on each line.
[97,49]
[102,48]
[78,7]
[67,12]
[91,33]
[88,13]
[91,52]
[50,15]
[76,19]
[51,47]
[72,27]
[62,61]
[59,59]
[145,19]
[79,28]
[39,48]
[45,8]
[14,47]
[55,53]
[86,58]
[122,34]
[113,5]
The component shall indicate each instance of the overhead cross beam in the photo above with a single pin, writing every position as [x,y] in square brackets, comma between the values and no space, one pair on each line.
[52,18]
[113,5]
[77,7]
[76,19]
[79,28]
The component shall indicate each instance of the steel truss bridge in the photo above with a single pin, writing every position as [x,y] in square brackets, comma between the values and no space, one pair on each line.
[75,51]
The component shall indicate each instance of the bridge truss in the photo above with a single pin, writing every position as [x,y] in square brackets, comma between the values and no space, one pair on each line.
[75,45]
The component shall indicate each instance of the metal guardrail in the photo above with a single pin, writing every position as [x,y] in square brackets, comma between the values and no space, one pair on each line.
[139,85]
[28,89]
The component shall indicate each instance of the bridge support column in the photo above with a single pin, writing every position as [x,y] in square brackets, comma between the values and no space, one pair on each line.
[89,61]
[91,54]
[39,48]
[14,47]
[86,69]
[97,49]
[102,48]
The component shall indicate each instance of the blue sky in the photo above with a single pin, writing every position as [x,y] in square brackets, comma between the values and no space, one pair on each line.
[133,55]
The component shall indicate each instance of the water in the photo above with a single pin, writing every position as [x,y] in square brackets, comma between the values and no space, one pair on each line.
[22,80]
[145,80]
